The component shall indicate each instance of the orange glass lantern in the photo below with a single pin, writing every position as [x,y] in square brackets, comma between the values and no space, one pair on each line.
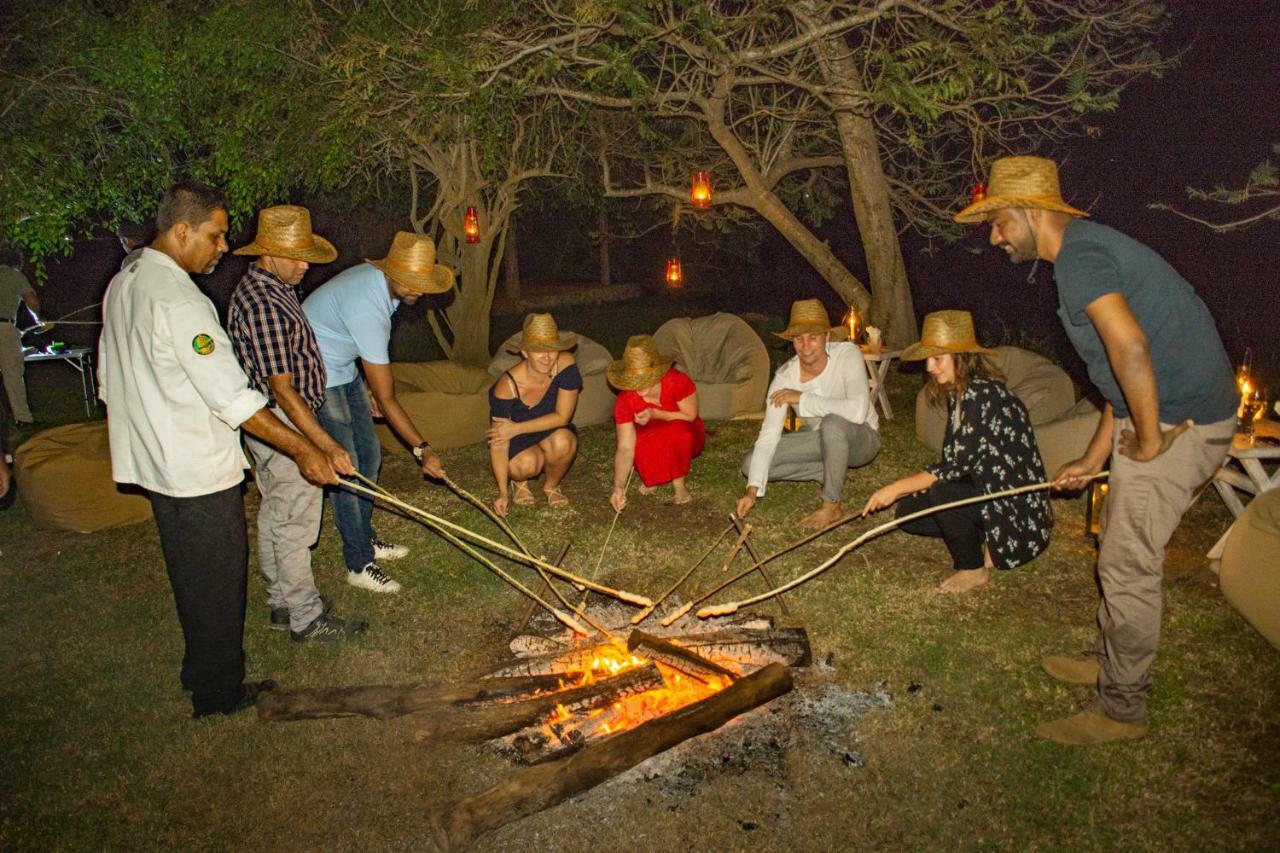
[675,275]
[852,322]
[471,225]
[700,194]
[979,193]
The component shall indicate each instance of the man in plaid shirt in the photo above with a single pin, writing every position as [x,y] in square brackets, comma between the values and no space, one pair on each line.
[277,348]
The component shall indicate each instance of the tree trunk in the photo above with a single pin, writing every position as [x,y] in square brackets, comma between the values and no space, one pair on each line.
[891,308]
[469,312]
[530,790]
[511,265]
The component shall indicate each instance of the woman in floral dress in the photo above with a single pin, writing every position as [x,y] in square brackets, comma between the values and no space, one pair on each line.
[989,447]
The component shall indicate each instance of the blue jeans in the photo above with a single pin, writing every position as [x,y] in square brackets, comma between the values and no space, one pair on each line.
[346,416]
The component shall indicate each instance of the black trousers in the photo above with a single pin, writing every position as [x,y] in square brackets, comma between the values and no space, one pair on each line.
[206,553]
[960,528]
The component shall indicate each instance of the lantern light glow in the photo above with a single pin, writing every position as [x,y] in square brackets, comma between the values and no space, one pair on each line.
[700,194]
[675,275]
[471,225]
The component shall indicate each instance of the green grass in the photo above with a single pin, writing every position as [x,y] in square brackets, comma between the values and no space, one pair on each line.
[98,751]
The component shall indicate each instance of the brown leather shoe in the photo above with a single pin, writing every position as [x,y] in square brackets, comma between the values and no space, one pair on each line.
[1090,727]
[1078,669]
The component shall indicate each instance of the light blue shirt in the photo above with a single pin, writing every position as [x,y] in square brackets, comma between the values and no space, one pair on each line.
[351,316]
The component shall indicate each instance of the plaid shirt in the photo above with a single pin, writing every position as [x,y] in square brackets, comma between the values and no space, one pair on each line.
[271,336]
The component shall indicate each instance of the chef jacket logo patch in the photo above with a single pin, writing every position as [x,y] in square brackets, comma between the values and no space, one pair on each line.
[202,344]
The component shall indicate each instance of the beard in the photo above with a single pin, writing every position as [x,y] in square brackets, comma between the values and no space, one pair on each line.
[1018,254]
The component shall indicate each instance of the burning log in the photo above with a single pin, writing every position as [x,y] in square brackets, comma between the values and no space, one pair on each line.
[757,645]
[455,714]
[688,662]
[532,789]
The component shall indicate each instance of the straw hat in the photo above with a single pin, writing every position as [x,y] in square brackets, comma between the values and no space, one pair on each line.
[641,365]
[808,317]
[1025,182]
[541,334]
[945,332]
[411,261]
[284,231]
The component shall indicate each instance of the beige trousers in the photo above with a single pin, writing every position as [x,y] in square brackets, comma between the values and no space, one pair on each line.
[14,370]
[1144,506]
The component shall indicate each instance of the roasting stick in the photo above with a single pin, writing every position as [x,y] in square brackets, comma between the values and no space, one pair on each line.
[436,522]
[541,572]
[751,552]
[732,607]
[644,614]
[582,603]
[743,533]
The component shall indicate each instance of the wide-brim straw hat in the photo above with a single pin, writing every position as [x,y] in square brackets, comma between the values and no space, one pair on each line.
[1022,182]
[541,334]
[808,317]
[945,332]
[411,261]
[641,365]
[284,231]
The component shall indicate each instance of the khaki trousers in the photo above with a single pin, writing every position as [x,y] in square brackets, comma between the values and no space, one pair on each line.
[14,369]
[1144,506]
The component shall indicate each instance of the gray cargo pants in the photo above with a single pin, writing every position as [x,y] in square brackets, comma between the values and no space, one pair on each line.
[822,455]
[1144,506]
[288,525]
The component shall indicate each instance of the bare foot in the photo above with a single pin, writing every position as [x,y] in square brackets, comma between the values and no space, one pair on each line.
[647,490]
[964,580]
[826,514]
[682,495]
[555,497]
[521,494]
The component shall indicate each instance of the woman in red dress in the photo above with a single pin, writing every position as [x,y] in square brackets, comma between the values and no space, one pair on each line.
[658,427]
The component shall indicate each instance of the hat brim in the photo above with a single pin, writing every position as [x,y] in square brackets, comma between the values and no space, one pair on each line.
[438,279]
[619,378]
[793,332]
[568,340]
[920,351]
[322,252]
[980,211]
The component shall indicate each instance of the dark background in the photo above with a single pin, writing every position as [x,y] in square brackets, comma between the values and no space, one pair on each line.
[1208,122]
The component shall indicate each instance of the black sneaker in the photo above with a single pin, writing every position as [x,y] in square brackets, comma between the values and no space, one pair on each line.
[249,693]
[328,629]
[280,615]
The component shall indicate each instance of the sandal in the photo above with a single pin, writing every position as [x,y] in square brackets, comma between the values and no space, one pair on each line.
[555,497]
[520,494]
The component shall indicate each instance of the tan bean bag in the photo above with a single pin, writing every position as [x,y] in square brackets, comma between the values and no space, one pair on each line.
[1250,573]
[447,401]
[1063,425]
[726,360]
[64,480]
[595,403]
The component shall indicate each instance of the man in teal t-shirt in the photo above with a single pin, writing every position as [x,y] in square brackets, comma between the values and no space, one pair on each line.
[1154,353]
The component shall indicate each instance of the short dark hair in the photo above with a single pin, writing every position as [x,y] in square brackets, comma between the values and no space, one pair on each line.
[188,201]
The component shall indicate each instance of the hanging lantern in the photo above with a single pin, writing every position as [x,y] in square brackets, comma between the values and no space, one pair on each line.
[852,322]
[979,193]
[1096,497]
[471,225]
[675,276]
[700,194]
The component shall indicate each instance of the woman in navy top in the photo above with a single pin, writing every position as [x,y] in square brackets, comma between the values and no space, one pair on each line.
[531,410]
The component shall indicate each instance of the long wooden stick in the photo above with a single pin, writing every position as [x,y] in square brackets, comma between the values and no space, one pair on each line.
[582,603]
[484,507]
[533,608]
[751,551]
[436,522]
[644,614]
[732,607]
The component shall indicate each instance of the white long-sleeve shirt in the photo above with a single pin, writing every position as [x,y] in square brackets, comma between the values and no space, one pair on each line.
[840,389]
[175,393]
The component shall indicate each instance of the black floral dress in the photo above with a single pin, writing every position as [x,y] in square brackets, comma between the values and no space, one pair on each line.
[989,440]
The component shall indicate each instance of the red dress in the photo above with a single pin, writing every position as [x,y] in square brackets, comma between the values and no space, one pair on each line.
[664,449]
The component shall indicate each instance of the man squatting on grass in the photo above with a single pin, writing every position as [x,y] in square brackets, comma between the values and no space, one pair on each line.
[351,316]
[1153,351]
[827,383]
[278,351]
[176,398]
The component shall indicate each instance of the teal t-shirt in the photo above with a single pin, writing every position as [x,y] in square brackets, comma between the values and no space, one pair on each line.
[1193,375]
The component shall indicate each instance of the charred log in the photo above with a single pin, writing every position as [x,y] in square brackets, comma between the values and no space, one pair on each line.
[682,659]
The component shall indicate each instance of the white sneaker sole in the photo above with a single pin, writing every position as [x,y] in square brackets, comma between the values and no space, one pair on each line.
[361,580]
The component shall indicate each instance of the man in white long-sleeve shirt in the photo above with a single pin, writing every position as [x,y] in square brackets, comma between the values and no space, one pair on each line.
[827,384]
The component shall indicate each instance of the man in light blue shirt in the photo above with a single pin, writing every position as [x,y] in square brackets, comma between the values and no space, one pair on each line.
[351,317]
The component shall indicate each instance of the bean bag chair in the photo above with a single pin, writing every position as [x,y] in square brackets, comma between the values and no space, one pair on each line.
[595,403]
[1250,572]
[64,479]
[447,401]
[1062,424]
[724,357]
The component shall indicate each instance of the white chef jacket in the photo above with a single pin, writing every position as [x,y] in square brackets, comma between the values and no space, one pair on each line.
[175,394]
[842,388]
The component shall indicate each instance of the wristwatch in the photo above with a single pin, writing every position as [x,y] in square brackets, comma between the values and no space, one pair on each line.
[420,450]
